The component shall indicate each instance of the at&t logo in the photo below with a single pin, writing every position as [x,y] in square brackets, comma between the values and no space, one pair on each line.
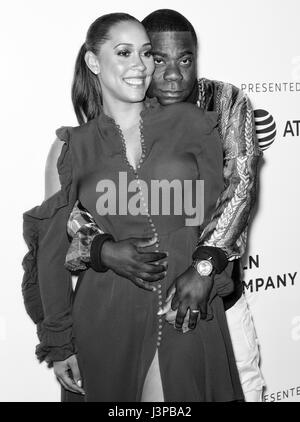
[265,128]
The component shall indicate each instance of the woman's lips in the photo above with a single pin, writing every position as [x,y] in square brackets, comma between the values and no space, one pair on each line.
[135,82]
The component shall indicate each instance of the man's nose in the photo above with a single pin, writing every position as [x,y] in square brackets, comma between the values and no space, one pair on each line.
[172,73]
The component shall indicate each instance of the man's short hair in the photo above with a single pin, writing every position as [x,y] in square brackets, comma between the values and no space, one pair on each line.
[163,20]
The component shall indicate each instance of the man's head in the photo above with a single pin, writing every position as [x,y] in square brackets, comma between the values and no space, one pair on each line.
[174,46]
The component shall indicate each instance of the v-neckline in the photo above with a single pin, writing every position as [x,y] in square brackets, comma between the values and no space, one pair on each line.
[124,147]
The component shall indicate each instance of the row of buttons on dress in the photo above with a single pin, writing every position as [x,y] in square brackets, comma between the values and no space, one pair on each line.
[146,211]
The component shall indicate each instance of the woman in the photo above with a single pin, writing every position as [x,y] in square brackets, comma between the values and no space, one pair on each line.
[110,325]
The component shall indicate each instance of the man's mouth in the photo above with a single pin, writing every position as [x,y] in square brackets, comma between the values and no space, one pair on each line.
[171,93]
[135,82]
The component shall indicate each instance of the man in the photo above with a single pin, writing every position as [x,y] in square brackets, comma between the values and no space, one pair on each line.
[223,239]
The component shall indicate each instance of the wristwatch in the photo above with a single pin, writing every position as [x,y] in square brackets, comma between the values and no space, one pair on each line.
[203,267]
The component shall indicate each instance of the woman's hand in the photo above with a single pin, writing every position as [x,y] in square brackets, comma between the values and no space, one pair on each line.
[62,369]
[128,259]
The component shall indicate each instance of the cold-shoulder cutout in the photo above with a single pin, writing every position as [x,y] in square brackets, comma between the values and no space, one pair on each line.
[52,183]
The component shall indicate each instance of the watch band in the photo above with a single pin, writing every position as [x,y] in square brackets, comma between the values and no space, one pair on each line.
[219,257]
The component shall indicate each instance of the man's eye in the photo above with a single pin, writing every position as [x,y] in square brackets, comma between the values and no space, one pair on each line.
[158,60]
[124,53]
[186,62]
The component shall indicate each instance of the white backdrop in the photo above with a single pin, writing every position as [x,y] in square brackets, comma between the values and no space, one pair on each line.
[252,45]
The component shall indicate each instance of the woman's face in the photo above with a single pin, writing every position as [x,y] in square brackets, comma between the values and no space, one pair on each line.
[125,63]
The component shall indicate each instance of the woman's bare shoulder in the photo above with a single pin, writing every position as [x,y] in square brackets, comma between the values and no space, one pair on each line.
[52,183]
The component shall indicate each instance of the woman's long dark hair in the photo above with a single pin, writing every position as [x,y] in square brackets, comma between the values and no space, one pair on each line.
[86,89]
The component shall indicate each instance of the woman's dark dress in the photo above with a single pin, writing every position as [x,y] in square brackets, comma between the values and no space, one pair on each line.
[112,324]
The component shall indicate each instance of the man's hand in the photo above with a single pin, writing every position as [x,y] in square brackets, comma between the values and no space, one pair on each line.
[62,369]
[129,259]
[189,292]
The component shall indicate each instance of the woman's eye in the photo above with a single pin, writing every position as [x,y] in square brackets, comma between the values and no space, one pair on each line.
[148,54]
[124,53]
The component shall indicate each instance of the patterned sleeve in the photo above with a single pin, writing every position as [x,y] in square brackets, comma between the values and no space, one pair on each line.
[82,229]
[228,226]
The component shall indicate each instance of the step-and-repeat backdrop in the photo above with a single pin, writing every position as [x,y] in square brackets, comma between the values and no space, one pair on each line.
[255,46]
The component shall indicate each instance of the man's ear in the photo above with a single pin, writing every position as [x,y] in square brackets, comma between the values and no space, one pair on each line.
[92,62]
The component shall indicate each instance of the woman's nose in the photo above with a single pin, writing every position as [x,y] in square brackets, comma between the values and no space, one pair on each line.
[138,63]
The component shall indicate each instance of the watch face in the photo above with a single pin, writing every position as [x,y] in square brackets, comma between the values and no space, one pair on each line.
[204,267]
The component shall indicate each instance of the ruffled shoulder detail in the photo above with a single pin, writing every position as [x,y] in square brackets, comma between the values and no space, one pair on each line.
[64,133]
[37,226]
[64,163]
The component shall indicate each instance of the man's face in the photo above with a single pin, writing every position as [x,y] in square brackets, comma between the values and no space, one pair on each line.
[174,56]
